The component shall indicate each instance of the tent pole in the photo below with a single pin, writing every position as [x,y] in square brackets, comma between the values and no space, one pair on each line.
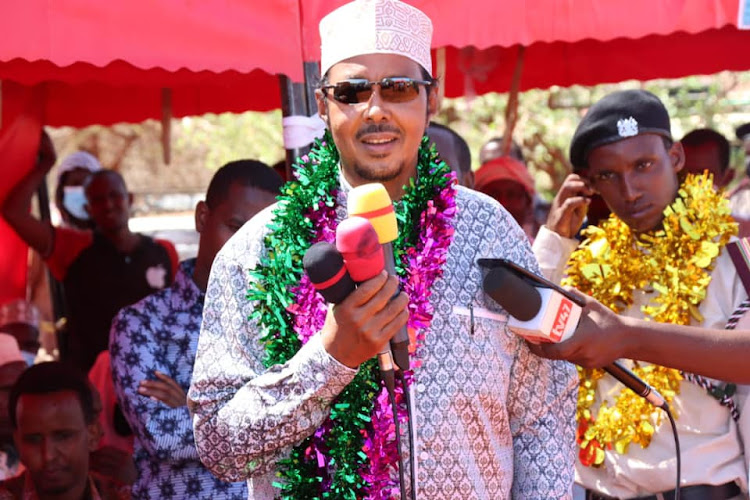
[292,103]
[166,124]
[312,78]
[511,109]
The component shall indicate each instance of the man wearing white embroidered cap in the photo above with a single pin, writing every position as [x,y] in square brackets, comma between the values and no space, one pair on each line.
[285,391]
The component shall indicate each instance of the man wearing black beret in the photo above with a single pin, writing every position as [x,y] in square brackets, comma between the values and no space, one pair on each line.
[660,257]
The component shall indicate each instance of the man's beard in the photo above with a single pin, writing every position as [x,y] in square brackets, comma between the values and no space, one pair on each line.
[377,175]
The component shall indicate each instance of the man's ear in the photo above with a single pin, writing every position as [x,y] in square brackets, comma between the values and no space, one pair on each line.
[201,214]
[130,199]
[677,156]
[322,102]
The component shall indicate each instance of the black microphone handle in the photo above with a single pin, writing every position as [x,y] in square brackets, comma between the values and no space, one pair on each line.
[400,341]
[634,383]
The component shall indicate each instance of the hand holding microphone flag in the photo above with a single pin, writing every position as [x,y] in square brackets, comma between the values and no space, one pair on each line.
[547,313]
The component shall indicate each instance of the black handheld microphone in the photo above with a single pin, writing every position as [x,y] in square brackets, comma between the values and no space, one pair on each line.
[325,267]
[542,311]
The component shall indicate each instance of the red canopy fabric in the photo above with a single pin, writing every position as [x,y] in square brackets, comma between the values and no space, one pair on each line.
[83,94]
[570,42]
[107,62]
[216,36]
[104,62]
[19,140]
[489,23]
[590,62]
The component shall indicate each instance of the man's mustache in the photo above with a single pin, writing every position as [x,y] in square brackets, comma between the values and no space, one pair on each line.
[376,128]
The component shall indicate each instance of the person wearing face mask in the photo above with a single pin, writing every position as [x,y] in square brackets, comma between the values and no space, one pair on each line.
[70,199]
[101,269]
[69,196]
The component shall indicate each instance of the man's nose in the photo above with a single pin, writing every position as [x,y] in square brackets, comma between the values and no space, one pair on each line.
[376,108]
[49,450]
[629,188]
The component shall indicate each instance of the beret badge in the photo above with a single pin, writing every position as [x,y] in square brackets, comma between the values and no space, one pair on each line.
[627,127]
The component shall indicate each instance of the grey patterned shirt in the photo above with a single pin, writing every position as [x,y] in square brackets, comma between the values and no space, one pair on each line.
[492,420]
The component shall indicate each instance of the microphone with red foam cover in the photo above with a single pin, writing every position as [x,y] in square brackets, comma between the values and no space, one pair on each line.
[358,243]
[373,202]
[325,267]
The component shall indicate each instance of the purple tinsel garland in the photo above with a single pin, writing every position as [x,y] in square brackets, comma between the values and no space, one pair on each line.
[424,263]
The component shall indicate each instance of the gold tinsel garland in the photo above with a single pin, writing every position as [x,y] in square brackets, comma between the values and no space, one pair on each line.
[675,261]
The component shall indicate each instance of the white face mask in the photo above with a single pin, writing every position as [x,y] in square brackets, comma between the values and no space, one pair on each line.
[74,200]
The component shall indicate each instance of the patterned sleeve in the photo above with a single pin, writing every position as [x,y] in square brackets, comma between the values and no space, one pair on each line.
[541,407]
[164,432]
[245,416]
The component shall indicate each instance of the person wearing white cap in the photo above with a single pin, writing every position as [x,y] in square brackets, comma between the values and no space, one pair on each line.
[12,365]
[285,391]
[69,196]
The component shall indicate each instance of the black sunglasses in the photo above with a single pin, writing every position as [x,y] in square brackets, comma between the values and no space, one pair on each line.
[394,89]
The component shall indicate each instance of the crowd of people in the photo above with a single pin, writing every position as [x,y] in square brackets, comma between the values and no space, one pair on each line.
[229,376]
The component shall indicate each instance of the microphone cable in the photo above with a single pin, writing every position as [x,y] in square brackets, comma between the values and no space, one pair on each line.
[665,407]
[412,448]
[388,380]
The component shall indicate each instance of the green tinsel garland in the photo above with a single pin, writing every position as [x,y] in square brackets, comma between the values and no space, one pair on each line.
[291,234]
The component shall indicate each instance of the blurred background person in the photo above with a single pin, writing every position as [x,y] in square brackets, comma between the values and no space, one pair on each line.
[508,181]
[153,344]
[454,150]
[708,150]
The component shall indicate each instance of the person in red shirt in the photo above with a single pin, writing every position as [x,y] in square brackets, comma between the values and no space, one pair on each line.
[102,270]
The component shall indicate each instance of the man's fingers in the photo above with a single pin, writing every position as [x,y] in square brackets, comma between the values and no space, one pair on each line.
[393,316]
[545,350]
[575,203]
[375,301]
[574,186]
[168,380]
[162,391]
[367,290]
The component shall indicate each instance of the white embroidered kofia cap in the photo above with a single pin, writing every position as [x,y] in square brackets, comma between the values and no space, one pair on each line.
[375,27]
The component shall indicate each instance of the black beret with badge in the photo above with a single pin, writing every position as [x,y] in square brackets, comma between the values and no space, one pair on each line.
[615,117]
